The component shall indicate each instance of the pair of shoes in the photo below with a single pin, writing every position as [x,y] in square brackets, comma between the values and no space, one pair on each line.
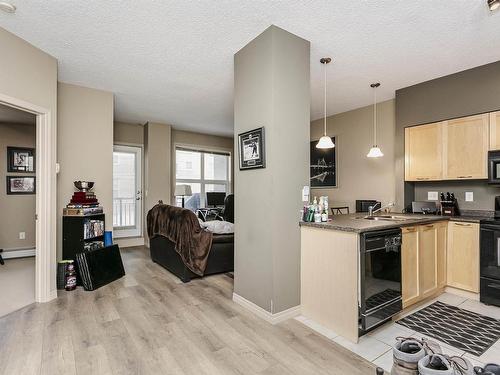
[408,351]
[441,364]
[489,369]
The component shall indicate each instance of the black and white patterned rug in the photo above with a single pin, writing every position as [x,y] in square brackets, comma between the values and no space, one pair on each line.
[462,329]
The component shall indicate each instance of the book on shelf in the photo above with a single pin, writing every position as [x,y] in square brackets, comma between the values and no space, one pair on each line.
[93,229]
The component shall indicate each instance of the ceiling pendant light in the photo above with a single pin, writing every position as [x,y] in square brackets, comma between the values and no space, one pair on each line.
[375,151]
[325,141]
[493,4]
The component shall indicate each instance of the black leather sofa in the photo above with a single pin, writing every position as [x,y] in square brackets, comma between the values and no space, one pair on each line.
[220,259]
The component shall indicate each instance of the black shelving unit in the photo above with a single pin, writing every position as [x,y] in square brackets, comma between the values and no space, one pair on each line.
[74,236]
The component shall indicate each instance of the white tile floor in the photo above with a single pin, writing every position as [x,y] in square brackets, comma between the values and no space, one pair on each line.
[377,345]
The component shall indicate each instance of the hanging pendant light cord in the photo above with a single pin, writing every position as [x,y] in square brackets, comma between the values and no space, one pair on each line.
[375,116]
[325,99]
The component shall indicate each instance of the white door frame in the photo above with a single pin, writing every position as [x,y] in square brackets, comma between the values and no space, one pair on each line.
[46,192]
[137,230]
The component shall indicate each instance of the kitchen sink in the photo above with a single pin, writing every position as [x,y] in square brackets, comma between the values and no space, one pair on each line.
[383,218]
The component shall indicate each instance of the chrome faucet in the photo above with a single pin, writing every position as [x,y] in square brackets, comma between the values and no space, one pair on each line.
[372,211]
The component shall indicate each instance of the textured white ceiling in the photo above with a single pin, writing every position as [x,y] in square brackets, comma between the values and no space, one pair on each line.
[172,61]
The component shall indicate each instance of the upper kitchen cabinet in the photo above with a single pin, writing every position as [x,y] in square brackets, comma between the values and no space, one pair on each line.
[423,152]
[466,146]
[495,130]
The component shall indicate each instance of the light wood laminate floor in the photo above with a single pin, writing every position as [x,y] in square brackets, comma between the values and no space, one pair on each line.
[150,323]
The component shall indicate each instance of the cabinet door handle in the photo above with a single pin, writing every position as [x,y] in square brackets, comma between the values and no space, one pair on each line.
[462,224]
[494,286]
[412,229]
[427,227]
[464,177]
[422,178]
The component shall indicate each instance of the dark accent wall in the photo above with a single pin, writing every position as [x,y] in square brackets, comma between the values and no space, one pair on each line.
[466,93]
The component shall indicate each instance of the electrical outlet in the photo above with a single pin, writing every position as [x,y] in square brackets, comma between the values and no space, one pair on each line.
[469,196]
[22,235]
[432,195]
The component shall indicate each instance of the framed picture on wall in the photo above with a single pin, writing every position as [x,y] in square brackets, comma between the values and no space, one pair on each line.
[323,166]
[17,185]
[252,149]
[20,159]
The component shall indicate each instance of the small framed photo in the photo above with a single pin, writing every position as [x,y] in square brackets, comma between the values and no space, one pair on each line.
[20,159]
[252,149]
[21,185]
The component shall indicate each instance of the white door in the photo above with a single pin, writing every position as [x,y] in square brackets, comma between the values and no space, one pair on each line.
[127,191]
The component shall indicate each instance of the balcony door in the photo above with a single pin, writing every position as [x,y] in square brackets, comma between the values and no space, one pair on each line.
[127,191]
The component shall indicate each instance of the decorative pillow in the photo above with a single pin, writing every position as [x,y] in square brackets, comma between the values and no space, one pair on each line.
[218,226]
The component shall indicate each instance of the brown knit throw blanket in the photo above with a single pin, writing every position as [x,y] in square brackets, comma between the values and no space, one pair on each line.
[181,226]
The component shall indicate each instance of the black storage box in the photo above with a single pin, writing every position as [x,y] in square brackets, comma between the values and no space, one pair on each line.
[100,266]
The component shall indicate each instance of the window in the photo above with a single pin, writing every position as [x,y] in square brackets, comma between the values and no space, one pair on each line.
[204,171]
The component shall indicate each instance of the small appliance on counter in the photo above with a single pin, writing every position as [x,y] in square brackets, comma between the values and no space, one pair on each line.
[449,205]
[363,204]
[424,207]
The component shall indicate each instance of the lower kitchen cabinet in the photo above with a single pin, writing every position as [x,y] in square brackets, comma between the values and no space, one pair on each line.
[409,266]
[442,245]
[427,259]
[423,261]
[463,256]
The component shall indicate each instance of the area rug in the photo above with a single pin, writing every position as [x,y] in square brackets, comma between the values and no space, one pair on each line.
[465,330]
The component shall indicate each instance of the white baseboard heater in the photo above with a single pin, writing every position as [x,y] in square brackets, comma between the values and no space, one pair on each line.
[16,253]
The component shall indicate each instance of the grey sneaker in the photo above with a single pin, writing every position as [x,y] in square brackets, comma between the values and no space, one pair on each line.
[408,351]
[441,364]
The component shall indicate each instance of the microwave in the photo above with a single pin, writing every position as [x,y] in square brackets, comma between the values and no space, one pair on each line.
[494,167]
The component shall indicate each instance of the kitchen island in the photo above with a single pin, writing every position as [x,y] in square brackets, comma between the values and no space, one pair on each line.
[331,263]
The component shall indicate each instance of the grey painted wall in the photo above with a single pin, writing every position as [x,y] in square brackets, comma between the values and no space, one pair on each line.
[271,77]
[360,177]
[461,94]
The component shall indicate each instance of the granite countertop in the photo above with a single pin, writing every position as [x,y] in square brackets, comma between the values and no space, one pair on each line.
[356,223]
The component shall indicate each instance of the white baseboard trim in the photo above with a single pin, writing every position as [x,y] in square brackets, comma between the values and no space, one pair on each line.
[462,293]
[23,253]
[279,317]
[129,242]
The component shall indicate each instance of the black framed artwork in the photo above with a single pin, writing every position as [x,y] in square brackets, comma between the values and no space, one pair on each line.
[323,166]
[252,149]
[20,159]
[19,185]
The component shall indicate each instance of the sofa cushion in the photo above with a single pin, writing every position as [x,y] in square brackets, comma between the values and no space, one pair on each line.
[218,226]
[223,238]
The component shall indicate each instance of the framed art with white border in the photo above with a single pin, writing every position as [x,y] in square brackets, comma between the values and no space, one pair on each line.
[252,153]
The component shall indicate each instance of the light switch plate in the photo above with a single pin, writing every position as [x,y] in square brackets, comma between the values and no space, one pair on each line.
[432,195]
[22,235]
[469,196]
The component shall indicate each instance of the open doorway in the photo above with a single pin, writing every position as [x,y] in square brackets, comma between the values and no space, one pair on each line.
[18,208]
[46,190]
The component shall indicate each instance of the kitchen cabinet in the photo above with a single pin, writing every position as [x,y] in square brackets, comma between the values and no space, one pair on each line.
[442,249]
[466,145]
[423,152]
[410,266]
[427,260]
[463,256]
[495,130]
[423,261]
